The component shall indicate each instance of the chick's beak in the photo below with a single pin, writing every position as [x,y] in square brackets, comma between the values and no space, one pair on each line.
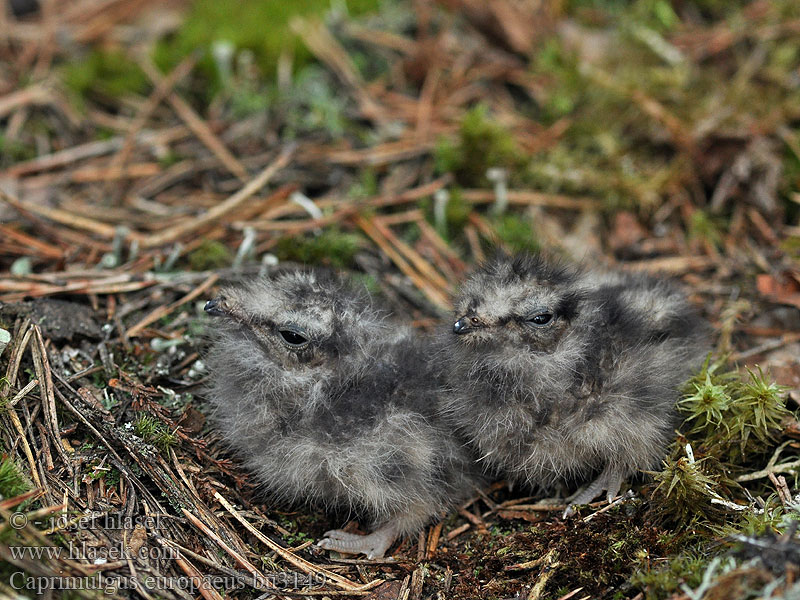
[461,326]
[216,307]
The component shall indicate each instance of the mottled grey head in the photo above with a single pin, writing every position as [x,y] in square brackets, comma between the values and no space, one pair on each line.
[520,302]
[295,320]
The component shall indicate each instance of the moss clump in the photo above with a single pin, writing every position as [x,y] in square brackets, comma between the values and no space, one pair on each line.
[732,421]
[260,27]
[758,411]
[332,247]
[660,580]
[516,232]
[706,405]
[733,418]
[482,143]
[12,481]
[369,282]
[12,151]
[211,254]
[702,226]
[155,432]
[107,73]
[684,489]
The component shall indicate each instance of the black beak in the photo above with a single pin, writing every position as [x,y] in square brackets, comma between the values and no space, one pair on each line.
[461,326]
[215,307]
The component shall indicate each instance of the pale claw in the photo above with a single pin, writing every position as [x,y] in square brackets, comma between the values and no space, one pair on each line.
[373,545]
[609,480]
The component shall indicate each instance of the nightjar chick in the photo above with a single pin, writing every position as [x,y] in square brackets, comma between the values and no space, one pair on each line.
[559,373]
[329,403]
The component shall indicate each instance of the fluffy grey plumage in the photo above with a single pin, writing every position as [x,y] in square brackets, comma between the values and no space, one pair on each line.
[560,373]
[329,403]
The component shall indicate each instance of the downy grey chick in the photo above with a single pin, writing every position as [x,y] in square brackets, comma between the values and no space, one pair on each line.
[330,404]
[560,373]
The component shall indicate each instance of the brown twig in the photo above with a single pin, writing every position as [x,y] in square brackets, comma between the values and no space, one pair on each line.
[163,311]
[194,122]
[217,212]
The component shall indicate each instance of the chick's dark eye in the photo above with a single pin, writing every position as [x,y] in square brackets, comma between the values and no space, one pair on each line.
[292,337]
[541,319]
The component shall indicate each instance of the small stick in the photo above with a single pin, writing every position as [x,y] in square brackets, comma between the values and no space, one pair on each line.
[784,340]
[433,540]
[206,592]
[199,127]
[163,311]
[783,490]
[530,198]
[68,156]
[380,155]
[241,560]
[61,216]
[419,281]
[36,94]
[300,563]
[674,265]
[458,531]
[420,263]
[569,595]
[25,447]
[162,89]
[327,49]
[215,213]
[22,393]
[772,467]
[475,520]
[474,243]
[41,364]
[43,248]
[609,506]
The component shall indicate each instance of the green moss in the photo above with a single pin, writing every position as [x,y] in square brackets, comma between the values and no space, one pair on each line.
[12,151]
[369,282]
[169,158]
[684,489]
[332,247]
[598,555]
[560,66]
[732,422]
[366,186]
[296,535]
[706,406]
[732,416]
[12,481]
[660,580]
[482,143]
[773,517]
[758,411]
[516,232]
[703,226]
[211,254]
[155,432]
[261,27]
[108,73]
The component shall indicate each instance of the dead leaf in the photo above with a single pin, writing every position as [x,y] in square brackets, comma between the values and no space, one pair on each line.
[785,290]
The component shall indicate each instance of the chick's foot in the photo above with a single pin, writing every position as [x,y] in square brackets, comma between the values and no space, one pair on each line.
[609,480]
[373,545]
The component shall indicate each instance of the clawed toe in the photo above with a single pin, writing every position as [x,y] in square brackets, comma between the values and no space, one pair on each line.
[373,545]
[609,480]
[338,535]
